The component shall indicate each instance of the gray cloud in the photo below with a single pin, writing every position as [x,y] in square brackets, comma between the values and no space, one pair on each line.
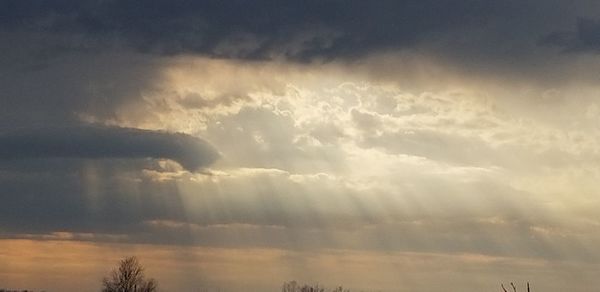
[275,212]
[299,30]
[585,37]
[474,35]
[60,91]
[104,196]
[99,142]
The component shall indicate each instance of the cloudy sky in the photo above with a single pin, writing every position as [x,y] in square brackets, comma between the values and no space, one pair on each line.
[412,145]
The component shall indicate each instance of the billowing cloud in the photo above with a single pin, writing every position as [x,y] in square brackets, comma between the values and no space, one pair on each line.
[98,142]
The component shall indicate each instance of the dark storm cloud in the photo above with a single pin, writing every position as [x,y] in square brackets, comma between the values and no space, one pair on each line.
[299,30]
[98,142]
[59,90]
[585,37]
[472,36]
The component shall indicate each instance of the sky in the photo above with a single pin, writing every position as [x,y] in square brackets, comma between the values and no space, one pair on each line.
[410,145]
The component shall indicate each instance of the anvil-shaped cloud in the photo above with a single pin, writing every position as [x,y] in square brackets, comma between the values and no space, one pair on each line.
[97,142]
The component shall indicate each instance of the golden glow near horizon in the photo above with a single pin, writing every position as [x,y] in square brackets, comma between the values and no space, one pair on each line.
[70,265]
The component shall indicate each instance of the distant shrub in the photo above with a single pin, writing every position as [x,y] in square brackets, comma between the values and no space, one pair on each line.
[293,286]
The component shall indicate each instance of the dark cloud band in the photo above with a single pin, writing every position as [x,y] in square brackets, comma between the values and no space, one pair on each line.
[299,30]
[585,38]
[99,142]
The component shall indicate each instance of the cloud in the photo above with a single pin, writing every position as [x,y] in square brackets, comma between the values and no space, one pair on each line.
[342,124]
[585,38]
[485,35]
[60,91]
[251,30]
[99,142]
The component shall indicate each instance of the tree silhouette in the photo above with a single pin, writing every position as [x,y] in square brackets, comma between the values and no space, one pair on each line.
[514,287]
[128,277]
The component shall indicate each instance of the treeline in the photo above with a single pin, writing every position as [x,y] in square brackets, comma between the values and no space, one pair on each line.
[293,286]
[129,277]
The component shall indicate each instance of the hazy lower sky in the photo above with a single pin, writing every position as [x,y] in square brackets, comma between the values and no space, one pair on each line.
[411,145]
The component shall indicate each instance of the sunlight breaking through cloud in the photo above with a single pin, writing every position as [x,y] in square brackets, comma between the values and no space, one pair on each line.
[389,146]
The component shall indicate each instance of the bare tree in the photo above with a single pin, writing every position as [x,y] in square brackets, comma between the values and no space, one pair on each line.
[514,287]
[128,277]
